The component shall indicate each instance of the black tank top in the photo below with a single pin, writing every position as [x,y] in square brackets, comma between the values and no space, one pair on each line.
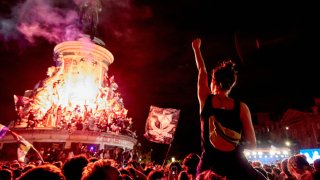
[228,118]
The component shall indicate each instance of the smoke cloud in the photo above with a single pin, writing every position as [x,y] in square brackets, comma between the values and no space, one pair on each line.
[52,20]
[59,20]
[41,18]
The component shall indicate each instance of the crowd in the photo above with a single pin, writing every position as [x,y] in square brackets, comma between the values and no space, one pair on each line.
[83,167]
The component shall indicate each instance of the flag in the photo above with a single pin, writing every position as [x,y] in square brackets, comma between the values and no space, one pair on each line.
[20,139]
[161,124]
[3,130]
[23,147]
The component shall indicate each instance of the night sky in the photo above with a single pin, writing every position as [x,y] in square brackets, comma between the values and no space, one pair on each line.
[275,47]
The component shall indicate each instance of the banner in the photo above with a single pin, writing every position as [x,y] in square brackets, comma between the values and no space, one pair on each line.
[3,130]
[161,124]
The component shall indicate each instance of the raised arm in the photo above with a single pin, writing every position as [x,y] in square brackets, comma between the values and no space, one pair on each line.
[203,86]
[248,130]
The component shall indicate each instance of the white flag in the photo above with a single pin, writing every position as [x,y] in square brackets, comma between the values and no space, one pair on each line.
[161,124]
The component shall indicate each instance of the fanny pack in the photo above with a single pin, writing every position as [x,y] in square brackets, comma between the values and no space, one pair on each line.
[222,138]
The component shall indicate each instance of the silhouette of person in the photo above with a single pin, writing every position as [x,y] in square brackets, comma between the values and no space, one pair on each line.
[225,122]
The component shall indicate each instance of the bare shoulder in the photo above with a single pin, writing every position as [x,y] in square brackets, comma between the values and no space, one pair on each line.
[244,107]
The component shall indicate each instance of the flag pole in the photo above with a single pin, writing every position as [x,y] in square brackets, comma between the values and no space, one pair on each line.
[19,138]
[37,153]
[166,155]
[174,134]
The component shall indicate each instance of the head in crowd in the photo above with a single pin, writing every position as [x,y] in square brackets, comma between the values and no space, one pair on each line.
[156,175]
[27,167]
[284,168]
[298,165]
[224,76]
[15,165]
[183,175]
[256,164]
[316,164]
[190,163]
[276,171]
[16,173]
[175,168]
[147,170]
[46,172]
[6,174]
[72,168]
[100,170]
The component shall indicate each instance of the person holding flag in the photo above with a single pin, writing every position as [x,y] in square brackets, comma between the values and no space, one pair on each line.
[23,147]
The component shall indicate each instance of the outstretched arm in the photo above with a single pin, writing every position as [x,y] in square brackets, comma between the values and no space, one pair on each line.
[248,130]
[203,87]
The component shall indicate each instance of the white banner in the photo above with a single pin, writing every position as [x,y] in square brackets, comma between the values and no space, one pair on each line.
[161,124]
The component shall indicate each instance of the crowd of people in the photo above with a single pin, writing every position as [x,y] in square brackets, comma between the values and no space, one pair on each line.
[83,167]
[55,153]
[44,107]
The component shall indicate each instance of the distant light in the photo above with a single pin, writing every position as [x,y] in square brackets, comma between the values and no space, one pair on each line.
[287,128]
[287,143]
[173,159]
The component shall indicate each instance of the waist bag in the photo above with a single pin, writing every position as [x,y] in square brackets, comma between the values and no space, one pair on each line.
[222,138]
